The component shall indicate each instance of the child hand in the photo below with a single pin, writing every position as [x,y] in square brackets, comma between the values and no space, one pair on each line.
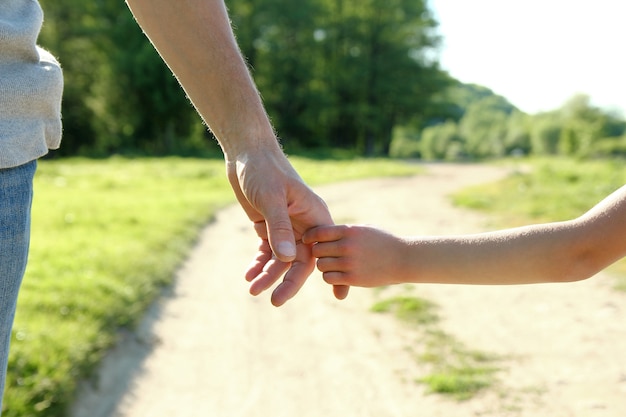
[362,256]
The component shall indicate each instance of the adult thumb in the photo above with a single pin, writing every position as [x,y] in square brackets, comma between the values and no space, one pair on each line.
[280,234]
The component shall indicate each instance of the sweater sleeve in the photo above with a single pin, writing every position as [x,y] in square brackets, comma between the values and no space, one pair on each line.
[31,87]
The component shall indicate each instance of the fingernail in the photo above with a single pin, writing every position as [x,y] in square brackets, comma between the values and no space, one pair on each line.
[287,249]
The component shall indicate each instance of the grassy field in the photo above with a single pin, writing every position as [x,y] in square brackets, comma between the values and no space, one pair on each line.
[544,190]
[107,236]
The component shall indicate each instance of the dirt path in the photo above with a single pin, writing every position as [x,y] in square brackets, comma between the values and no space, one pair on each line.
[210,349]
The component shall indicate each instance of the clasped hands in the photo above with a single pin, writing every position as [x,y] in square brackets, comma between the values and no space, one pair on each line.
[282,208]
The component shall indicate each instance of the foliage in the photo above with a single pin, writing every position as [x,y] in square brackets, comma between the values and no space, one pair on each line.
[483,127]
[119,95]
[458,98]
[339,73]
[405,143]
[333,73]
[583,125]
[476,123]
[438,142]
[107,235]
[545,134]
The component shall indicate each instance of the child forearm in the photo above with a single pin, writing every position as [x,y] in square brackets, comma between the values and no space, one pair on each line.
[552,252]
[542,253]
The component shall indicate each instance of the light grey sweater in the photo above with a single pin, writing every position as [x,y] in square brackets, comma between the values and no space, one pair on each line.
[31,86]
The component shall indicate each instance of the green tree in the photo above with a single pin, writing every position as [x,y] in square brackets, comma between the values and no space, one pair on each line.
[285,60]
[119,95]
[68,31]
[517,136]
[331,72]
[406,143]
[583,125]
[442,142]
[382,73]
[458,97]
[483,127]
[340,72]
[151,111]
[545,133]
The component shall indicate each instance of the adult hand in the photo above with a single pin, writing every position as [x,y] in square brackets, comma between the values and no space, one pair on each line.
[195,39]
[282,207]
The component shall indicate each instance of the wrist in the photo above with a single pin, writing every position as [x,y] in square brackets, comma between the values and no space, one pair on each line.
[408,260]
[247,149]
[264,159]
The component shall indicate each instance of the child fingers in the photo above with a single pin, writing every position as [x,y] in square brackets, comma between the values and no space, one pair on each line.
[341,291]
[328,264]
[335,278]
[332,249]
[320,250]
[324,234]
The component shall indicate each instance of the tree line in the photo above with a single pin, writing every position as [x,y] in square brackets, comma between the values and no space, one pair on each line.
[482,124]
[332,73]
[361,75]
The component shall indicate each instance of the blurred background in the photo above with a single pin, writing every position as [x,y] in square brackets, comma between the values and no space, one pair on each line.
[401,78]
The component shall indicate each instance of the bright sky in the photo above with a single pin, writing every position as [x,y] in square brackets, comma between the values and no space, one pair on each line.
[537,53]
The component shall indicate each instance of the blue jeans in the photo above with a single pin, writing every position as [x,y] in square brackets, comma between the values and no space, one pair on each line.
[16,194]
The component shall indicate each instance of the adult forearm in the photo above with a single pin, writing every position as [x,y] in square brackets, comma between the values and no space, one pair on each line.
[195,39]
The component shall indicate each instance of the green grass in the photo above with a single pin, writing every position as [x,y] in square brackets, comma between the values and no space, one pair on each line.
[462,383]
[407,308]
[547,190]
[553,189]
[107,236]
[324,171]
[455,370]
